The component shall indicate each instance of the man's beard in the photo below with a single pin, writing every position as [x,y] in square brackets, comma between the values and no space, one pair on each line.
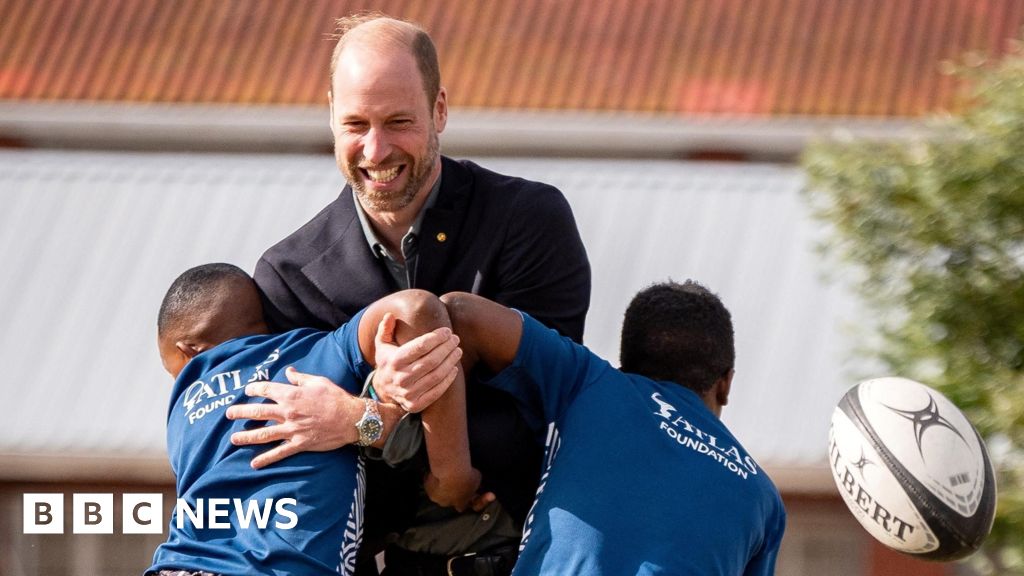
[419,171]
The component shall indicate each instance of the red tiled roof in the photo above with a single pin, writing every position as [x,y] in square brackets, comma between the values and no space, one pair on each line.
[682,57]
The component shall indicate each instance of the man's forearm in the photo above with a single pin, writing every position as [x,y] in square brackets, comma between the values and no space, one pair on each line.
[489,333]
[390,415]
[444,431]
[314,414]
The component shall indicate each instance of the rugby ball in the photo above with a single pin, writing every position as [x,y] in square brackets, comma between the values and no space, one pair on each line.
[912,469]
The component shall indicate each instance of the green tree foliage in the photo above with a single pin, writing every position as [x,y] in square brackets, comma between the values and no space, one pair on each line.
[935,224]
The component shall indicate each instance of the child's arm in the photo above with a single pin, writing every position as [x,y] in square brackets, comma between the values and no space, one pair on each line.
[488,333]
[452,480]
[408,316]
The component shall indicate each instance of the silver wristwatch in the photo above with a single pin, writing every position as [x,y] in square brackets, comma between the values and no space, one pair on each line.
[370,426]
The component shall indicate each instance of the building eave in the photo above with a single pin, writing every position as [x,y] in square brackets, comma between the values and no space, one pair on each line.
[802,480]
[73,467]
[541,133]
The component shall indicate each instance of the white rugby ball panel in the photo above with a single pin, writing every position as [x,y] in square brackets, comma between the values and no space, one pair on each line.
[930,437]
[950,484]
[873,493]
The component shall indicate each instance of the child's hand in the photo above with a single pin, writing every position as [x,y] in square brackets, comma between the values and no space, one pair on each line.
[458,491]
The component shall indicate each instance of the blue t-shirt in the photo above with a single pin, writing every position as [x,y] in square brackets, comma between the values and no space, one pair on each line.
[640,477]
[302,515]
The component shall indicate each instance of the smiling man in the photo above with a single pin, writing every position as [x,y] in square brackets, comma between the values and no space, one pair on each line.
[412,218]
[385,134]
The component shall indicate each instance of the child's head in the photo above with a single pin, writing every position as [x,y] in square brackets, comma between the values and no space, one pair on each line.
[205,306]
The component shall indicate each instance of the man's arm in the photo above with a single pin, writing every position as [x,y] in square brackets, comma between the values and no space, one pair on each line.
[316,415]
[312,413]
[489,333]
[542,370]
[404,316]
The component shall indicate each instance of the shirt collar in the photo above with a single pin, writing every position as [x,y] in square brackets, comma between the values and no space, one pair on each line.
[376,246]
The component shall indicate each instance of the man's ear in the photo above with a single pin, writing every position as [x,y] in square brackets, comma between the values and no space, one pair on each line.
[188,349]
[724,387]
[441,111]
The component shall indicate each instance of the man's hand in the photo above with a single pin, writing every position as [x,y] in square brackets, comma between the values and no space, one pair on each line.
[417,373]
[313,415]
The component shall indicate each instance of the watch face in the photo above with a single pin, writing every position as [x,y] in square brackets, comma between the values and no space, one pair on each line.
[370,426]
[371,429]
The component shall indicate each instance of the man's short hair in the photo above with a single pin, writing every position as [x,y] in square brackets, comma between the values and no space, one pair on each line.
[193,291]
[678,332]
[400,32]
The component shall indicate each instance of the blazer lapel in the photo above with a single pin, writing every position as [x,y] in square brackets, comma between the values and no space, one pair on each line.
[442,226]
[346,272]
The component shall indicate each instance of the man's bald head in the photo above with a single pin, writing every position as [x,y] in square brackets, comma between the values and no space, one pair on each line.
[376,32]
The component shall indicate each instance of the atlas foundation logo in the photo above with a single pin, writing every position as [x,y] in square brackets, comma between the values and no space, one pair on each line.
[94,513]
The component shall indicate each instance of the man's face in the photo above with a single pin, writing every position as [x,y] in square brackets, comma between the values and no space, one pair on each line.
[385,131]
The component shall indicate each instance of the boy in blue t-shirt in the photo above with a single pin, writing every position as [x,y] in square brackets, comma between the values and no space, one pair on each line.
[302,515]
[641,476]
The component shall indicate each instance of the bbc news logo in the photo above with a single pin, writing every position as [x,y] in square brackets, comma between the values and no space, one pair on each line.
[143,513]
[94,513]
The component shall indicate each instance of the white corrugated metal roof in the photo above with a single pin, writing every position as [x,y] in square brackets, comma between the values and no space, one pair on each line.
[92,240]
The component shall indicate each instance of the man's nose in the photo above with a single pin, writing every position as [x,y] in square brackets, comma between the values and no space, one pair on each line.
[376,147]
